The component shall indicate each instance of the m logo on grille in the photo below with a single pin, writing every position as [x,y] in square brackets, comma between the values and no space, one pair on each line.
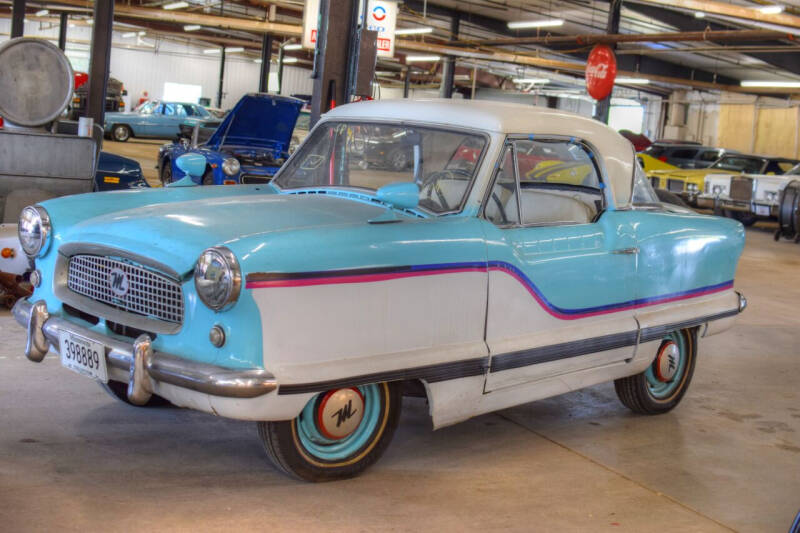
[118,281]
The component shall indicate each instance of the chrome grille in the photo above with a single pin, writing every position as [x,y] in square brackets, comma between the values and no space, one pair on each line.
[675,185]
[741,189]
[149,294]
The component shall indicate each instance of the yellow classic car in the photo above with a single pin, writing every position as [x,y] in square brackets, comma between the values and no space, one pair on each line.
[650,163]
[688,183]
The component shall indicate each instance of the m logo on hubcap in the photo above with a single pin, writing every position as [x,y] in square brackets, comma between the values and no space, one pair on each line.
[340,412]
[118,282]
[666,364]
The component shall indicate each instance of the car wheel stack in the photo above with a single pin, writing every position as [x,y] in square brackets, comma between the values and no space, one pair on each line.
[788,215]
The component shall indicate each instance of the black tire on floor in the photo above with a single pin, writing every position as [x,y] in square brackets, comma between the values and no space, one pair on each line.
[166,172]
[635,393]
[747,219]
[121,133]
[119,391]
[287,452]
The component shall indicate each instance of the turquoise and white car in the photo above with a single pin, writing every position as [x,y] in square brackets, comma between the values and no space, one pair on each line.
[313,303]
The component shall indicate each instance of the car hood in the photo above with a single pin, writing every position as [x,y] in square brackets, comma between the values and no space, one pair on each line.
[258,120]
[173,226]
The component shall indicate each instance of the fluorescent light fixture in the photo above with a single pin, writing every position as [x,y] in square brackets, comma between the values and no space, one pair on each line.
[522,24]
[531,80]
[257,61]
[777,84]
[192,27]
[233,49]
[42,12]
[90,21]
[176,5]
[412,59]
[771,10]
[129,34]
[632,81]
[211,51]
[413,31]
[699,14]
[293,46]
[142,33]
[290,60]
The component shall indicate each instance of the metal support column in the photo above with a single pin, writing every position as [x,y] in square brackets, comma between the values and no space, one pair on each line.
[331,63]
[17,18]
[221,76]
[614,10]
[100,60]
[280,67]
[406,82]
[62,31]
[266,57]
[449,63]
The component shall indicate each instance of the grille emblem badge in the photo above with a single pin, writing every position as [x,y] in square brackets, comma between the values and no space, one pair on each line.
[118,281]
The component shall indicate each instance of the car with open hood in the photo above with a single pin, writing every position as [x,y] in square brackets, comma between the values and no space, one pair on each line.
[312,303]
[248,146]
[690,183]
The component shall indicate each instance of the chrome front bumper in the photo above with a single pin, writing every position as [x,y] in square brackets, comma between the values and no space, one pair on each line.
[144,365]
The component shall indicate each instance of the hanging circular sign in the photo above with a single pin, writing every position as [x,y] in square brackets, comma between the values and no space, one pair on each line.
[601,70]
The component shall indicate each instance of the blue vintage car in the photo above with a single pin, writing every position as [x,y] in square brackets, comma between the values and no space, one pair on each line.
[311,304]
[249,146]
[115,172]
[154,119]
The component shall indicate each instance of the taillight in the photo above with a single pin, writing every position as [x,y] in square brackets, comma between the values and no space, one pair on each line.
[229,182]
[663,159]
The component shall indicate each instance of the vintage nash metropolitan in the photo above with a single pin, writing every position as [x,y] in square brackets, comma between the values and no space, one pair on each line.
[310,304]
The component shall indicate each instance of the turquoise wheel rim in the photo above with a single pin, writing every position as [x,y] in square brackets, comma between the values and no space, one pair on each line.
[323,448]
[661,390]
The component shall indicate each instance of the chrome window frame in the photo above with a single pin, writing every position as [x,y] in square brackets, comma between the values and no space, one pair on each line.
[597,161]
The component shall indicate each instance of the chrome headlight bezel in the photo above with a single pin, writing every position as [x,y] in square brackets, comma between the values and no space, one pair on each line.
[771,196]
[37,216]
[231,166]
[692,188]
[218,278]
[717,190]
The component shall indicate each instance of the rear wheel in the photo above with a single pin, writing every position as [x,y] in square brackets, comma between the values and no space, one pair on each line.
[661,387]
[338,434]
[119,391]
[121,132]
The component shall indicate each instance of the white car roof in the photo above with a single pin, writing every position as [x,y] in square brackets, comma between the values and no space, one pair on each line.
[507,118]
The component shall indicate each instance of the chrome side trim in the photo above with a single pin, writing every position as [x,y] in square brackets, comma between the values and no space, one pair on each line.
[146,365]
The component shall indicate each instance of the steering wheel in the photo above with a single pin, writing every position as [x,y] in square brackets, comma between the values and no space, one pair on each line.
[430,185]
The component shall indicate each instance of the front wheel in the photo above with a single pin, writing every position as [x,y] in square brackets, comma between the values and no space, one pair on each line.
[166,172]
[338,434]
[121,133]
[661,387]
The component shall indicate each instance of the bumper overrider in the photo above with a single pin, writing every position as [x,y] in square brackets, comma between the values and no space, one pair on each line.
[145,366]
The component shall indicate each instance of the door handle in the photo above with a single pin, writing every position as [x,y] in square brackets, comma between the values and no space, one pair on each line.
[626,251]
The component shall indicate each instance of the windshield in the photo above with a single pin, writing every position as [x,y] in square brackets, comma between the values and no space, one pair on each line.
[794,171]
[748,165]
[368,156]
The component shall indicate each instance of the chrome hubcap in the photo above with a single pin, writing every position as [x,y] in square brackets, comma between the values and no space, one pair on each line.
[667,362]
[340,412]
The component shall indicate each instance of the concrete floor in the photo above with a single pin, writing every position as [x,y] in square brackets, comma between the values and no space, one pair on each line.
[727,458]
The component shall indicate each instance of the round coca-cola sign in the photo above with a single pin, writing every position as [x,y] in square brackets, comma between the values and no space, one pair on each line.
[601,70]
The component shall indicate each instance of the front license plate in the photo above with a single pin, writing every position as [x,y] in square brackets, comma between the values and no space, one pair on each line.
[83,356]
[762,210]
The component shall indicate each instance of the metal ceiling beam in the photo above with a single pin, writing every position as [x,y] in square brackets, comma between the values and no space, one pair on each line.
[730,10]
[591,39]
[503,56]
[211,21]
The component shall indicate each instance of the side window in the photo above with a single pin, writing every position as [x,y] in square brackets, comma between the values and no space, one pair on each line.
[159,109]
[559,182]
[169,109]
[502,208]
[684,154]
[183,110]
[710,155]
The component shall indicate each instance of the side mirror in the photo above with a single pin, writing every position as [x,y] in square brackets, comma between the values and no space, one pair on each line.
[193,165]
[401,195]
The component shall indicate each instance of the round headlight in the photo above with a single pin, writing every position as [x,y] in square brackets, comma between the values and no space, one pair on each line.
[717,190]
[34,230]
[217,278]
[231,166]
[771,196]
